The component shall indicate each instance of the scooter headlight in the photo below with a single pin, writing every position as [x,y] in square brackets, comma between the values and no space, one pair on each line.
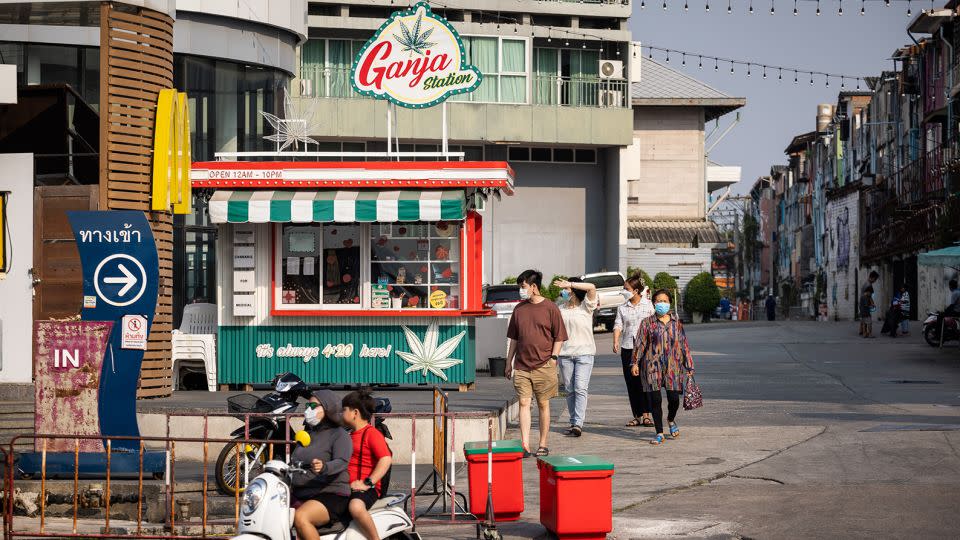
[253,495]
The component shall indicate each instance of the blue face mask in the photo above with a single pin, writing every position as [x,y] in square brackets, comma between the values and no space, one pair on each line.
[662,308]
[565,295]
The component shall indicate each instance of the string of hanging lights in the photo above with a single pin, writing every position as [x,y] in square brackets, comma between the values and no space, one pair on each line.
[749,67]
[796,6]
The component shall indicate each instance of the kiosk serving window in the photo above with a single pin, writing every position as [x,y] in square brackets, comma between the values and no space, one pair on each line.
[408,265]
[319,266]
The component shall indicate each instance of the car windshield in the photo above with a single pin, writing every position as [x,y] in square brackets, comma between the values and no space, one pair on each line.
[502,294]
[606,282]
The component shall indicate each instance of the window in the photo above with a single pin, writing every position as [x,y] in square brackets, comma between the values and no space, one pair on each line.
[415,265]
[319,266]
[326,63]
[503,63]
[408,266]
[552,155]
[566,77]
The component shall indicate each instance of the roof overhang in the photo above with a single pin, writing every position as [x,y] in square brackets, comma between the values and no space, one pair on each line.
[929,22]
[497,175]
[719,177]
[714,107]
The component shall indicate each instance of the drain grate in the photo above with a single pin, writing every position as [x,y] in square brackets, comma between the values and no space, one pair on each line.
[913,381]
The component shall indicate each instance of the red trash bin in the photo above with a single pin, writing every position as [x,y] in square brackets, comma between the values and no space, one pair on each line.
[576,496]
[507,478]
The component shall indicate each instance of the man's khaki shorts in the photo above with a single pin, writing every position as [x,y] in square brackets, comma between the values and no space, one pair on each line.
[541,383]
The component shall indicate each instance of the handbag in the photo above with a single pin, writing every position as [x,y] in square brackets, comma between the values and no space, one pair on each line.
[692,398]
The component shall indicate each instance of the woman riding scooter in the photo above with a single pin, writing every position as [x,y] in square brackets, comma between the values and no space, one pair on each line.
[325,491]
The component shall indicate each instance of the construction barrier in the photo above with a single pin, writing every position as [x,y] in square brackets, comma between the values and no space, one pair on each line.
[170,526]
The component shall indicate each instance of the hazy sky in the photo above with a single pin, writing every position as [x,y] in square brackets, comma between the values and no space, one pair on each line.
[775,111]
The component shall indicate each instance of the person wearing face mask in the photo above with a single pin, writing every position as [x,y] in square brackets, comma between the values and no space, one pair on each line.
[536,333]
[579,301]
[325,488]
[629,315]
[662,360]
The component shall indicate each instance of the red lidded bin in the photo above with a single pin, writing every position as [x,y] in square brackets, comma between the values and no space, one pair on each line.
[507,478]
[576,496]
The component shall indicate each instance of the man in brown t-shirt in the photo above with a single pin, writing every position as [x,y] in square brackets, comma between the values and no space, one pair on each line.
[536,333]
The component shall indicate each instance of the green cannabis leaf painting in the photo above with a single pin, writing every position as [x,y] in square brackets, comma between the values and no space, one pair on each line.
[414,41]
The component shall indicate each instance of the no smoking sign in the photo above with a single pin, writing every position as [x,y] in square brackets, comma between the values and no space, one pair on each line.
[134,332]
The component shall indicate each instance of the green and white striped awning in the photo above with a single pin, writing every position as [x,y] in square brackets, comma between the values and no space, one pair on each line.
[262,206]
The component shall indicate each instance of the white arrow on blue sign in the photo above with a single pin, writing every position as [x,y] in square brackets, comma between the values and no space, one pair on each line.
[112,272]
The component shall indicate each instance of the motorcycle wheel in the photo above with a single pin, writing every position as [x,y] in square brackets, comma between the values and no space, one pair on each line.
[931,335]
[226,468]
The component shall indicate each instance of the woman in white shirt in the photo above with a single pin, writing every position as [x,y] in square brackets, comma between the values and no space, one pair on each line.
[629,315]
[579,300]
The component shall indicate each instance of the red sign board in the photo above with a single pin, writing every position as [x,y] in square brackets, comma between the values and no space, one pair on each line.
[68,357]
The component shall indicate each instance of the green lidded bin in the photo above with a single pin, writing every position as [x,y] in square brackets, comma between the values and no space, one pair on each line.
[577,463]
[507,446]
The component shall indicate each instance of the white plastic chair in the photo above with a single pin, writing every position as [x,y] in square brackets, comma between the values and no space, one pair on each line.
[194,343]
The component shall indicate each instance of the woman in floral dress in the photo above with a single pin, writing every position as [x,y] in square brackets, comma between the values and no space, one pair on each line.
[662,360]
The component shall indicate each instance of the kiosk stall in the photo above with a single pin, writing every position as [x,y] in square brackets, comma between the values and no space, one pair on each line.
[349,272]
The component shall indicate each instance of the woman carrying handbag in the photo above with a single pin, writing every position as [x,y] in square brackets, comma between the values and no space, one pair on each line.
[662,360]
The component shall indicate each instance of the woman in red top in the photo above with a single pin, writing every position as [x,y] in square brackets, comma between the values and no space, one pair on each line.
[370,462]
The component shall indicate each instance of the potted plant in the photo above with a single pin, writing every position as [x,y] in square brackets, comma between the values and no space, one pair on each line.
[701,296]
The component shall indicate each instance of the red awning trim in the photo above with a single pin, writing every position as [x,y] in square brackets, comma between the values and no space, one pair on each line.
[371,175]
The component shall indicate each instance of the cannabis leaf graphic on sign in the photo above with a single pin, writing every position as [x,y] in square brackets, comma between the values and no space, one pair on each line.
[413,41]
[292,130]
[426,355]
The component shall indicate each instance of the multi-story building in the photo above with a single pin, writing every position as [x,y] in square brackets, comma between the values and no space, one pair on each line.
[554,102]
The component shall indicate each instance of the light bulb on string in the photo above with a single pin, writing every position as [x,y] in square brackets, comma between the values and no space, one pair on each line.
[664,5]
[863,7]
[729,7]
[708,6]
[771,6]
[751,7]
[795,8]
[731,68]
[909,11]
[764,72]
[683,60]
[858,84]
[716,65]
[643,4]
[827,78]
[748,70]
[887,3]
[818,8]
[811,79]
[668,56]
[840,9]
[843,84]
[584,46]
[795,81]
[686,5]
[650,56]
[700,62]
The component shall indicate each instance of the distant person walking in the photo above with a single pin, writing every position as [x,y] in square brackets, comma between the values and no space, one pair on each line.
[866,312]
[536,334]
[576,355]
[953,299]
[629,316]
[771,306]
[662,360]
[904,310]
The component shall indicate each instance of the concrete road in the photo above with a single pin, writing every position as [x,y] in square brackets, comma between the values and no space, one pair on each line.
[807,432]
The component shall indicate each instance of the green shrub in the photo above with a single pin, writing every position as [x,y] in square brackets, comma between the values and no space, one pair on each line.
[549,290]
[633,270]
[509,280]
[702,294]
[664,280]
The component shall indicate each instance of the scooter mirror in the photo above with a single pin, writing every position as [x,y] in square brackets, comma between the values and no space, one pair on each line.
[303,438]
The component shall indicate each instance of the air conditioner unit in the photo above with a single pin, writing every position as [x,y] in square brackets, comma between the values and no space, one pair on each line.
[610,98]
[306,87]
[611,69]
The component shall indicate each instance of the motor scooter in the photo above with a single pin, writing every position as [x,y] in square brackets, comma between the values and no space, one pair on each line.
[266,514]
[933,325]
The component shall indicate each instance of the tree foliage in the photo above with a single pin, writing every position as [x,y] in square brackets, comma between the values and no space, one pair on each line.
[664,280]
[702,294]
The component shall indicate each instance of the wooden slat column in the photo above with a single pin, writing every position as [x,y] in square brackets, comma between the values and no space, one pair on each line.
[136,62]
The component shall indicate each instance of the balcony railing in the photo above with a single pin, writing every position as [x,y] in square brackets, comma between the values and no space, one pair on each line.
[934,98]
[326,82]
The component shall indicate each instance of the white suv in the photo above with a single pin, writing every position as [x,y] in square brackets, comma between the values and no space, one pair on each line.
[610,295]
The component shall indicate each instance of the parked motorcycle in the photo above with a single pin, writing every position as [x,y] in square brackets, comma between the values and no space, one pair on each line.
[272,425]
[266,513]
[932,327]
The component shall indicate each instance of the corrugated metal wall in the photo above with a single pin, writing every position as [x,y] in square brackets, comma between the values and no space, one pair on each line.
[681,263]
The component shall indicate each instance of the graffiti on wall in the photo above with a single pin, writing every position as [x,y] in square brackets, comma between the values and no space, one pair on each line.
[843,238]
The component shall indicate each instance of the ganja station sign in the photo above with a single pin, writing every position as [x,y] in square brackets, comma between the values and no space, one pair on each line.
[416,59]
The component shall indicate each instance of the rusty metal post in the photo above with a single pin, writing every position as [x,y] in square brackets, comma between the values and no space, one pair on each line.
[236,491]
[452,469]
[76,480]
[203,530]
[107,496]
[43,484]
[413,471]
[140,492]
[173,495]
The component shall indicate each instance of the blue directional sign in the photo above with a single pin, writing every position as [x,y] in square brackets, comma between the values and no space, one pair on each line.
[120,274]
